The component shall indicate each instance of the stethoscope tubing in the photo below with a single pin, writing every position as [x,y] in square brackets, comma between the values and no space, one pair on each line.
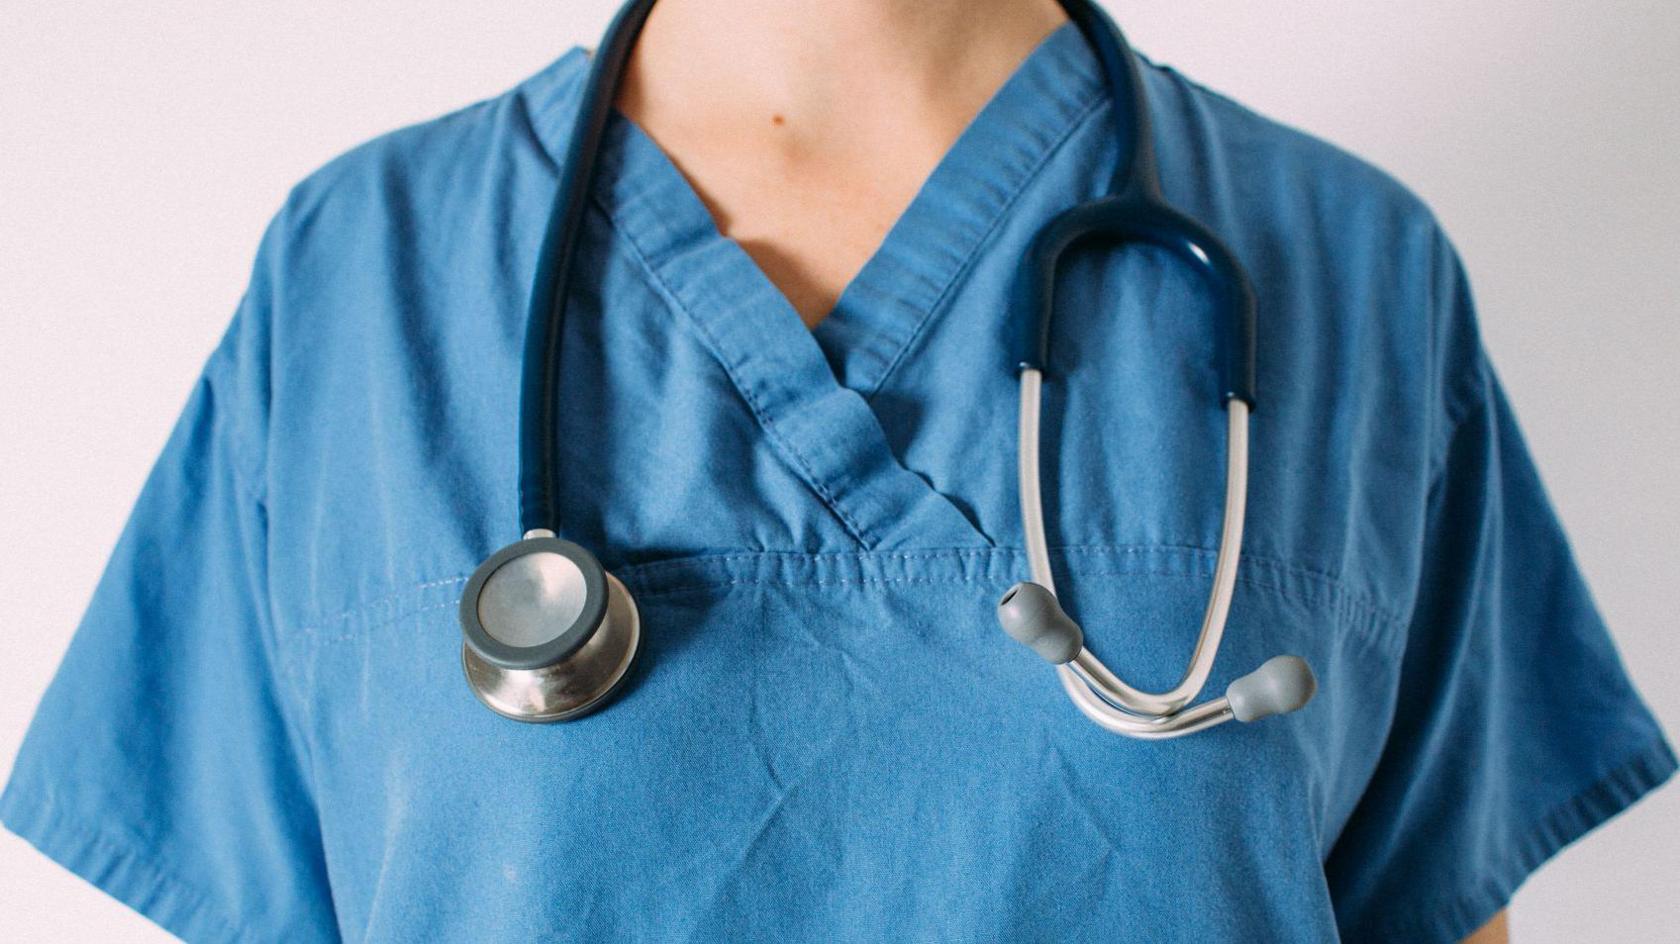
[539,391]
[1119,703]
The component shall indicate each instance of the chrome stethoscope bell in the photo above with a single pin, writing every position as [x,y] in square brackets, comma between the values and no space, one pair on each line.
[548,634]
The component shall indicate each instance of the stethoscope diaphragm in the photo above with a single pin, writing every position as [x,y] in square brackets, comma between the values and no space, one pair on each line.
[547,633]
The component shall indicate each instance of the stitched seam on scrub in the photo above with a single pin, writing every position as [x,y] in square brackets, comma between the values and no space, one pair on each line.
[1371,626]
[802,464]
[946,552]
[1355,612]
[1332,580]
[124,845]
[1619,787]
[1358,622]
[310,623]
[363,630]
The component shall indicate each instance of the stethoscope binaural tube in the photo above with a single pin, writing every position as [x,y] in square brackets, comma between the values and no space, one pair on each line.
[1030,613]
[1136,211]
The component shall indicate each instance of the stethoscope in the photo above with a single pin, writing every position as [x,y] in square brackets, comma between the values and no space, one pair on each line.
[550,635]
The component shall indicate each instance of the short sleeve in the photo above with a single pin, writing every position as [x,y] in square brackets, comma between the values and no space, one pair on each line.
[1516,729]
[162,764]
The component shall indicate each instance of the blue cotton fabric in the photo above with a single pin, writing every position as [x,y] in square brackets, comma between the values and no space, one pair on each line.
[261,730]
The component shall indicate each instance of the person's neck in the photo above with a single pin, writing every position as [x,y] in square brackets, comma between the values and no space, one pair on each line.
[807,126]
[811,66]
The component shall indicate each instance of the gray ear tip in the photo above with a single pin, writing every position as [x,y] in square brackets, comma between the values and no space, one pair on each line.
[1031,616]
[1280,685]
[1298,679]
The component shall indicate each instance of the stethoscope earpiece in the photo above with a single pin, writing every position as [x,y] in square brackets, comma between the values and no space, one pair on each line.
[547,633]
[1281,685]
[1032,617]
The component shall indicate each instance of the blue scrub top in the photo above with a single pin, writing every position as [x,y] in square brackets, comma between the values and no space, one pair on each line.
[261,730]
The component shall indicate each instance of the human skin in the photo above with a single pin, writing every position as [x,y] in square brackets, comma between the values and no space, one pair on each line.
[807,128]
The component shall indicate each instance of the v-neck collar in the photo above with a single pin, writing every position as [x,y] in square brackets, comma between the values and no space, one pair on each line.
[809,388]
[902,287]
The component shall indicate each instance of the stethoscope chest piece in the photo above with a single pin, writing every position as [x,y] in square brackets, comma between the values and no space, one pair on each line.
[548,634]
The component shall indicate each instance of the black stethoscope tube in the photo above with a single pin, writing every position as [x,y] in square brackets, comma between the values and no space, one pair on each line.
[539,391]
[1135,211]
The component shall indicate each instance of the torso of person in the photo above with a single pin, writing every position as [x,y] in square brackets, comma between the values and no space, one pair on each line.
[796,444]
[807,479]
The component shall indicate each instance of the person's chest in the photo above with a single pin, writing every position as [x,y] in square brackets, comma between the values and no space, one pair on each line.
[837,747]
[827,730]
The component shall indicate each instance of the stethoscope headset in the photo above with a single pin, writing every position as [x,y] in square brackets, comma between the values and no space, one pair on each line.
[550,635]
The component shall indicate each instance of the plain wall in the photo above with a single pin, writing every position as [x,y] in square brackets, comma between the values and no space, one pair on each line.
[144,146]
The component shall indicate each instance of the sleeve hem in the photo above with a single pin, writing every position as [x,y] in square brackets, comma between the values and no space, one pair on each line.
[1616,791]
[114,866]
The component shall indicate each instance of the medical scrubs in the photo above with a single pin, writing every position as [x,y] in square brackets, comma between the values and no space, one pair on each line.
[261,730]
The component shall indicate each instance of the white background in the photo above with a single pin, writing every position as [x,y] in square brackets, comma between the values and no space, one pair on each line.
[144,146]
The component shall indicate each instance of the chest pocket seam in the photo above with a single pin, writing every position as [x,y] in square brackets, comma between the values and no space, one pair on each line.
[1357,616]
[1377,627]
